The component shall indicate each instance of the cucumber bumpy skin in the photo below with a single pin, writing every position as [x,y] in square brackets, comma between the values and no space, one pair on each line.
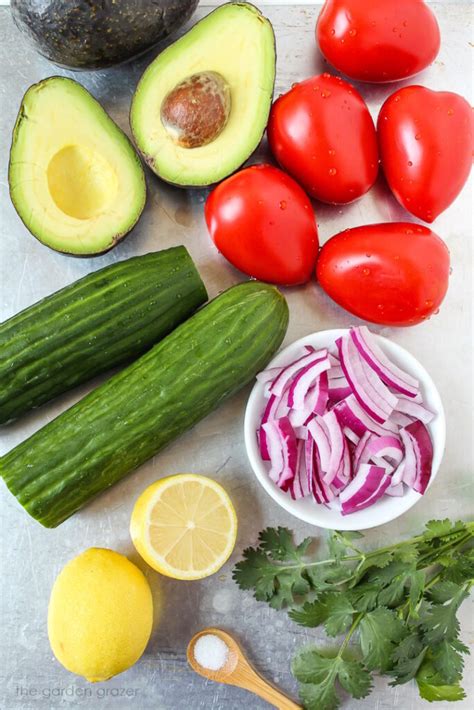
[103,320]
[127,420]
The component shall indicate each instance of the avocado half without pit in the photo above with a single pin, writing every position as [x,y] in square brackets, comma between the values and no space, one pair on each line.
[201,107]
[75,179]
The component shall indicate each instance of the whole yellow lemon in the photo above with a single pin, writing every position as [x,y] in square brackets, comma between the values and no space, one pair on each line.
[100,614]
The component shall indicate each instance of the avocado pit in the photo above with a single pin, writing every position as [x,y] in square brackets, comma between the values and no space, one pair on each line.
[196,111]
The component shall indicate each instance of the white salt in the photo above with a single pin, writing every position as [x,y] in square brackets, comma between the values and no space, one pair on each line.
[211,652]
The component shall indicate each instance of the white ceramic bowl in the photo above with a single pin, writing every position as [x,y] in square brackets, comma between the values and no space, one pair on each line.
[388,507]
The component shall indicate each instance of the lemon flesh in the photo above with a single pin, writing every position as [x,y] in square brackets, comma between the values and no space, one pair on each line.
[100,614]
[184,526]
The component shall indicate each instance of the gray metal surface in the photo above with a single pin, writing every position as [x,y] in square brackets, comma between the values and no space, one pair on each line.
[32,556]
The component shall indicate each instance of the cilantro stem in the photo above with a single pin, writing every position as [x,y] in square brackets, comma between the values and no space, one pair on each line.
[354,626]
[453,545]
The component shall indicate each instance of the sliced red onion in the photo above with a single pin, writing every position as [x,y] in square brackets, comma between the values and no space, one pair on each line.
[268,375]
[320,488]
[397,475]
[349,434]
[296,488]
[395,489]
[375,357]
[315,402]
[350,414]
[304,380]
[368,485]
[370,391]
[423,450]
[269,413]
[282,448]
[292,369]
[401,420]
[412,409]
[409,461]
[344,473]
[319,433]
[332,428]
[336,443]
[362,453]
[386,447]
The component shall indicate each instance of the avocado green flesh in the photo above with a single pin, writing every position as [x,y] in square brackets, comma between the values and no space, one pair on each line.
[75,179]
[235,41]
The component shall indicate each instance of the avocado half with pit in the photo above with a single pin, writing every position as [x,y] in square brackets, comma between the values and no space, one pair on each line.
[93,34]
[75,179]
[201,107]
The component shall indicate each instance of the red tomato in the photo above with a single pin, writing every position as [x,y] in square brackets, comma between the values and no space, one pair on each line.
[426,143]
[378,40]
[263,223]
[393,274]
[322,133]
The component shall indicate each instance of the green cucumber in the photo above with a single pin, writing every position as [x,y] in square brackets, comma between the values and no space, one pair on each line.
[129,418]
[103,320]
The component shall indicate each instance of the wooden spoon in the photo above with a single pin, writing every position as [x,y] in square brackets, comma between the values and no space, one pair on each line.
[238,671]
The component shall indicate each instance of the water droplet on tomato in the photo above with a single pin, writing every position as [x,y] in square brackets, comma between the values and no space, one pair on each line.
[405,23]
[283,204]
[394,29]
[331,152]
[397,99]
[418,136]
[410,163]
[369,256]
[366,272]
[380,306]
[428,303]
[332,171]
[450,111]
[333,32]
[409,231]
[352,33]
[325,94]
[436,312]
[450,270]
[326,75]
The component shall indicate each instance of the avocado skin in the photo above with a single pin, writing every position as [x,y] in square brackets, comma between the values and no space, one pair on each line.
[85,34]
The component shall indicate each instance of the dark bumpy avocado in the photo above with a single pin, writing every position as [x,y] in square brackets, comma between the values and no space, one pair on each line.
[74,177]
[88,34]
[201,107]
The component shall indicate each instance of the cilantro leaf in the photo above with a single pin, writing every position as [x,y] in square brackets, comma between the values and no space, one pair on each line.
[354,678]
[461,568]
[318,675]
[417,586]
[432,688]
[332,609]
[364,596]
[440,621]
[442,591]
[407,658]
[278,542]
[379,631]
[439,528]
[256,572]
[447,659]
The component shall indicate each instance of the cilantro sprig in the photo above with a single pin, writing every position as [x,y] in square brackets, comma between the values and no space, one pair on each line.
[396,608]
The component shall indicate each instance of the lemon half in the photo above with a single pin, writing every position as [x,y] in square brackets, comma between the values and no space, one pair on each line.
[184,526]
